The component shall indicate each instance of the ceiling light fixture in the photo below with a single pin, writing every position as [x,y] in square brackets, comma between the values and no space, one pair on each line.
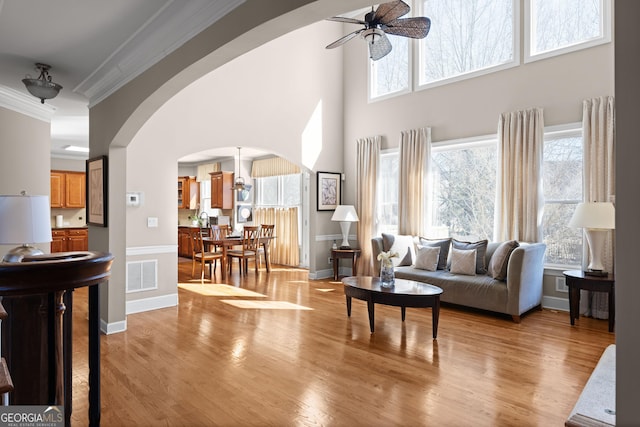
[239,185]
[42,87]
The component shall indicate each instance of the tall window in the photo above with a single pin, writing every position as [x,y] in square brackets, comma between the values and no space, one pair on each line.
[562,180]
[391,74]
[560,26]
[279,191]
[387,209]
[466,36]
[463,190]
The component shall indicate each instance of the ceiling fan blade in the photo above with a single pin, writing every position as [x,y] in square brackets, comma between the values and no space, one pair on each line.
[416,28]
[391,11]
[379,46]
[347,20]
[343,40]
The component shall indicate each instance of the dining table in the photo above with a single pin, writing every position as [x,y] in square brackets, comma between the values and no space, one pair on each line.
[236,240]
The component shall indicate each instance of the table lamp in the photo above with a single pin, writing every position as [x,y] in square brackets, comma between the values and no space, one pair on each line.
[597,218]
[24,220]
[345,214]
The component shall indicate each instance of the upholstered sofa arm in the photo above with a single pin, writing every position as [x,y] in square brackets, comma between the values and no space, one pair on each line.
[376,248]
[524,277]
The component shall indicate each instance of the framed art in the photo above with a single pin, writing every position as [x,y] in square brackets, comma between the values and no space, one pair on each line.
[245,213]
[329,191]
[244,195]
[97,191]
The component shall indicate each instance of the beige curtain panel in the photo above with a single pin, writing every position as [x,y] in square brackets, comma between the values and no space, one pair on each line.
[273,167]
[205,170]
[368,162]
[519,194]
[415,150]
[284,248]
[598,119]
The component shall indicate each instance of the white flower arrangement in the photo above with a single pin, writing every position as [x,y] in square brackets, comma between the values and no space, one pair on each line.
[385,257]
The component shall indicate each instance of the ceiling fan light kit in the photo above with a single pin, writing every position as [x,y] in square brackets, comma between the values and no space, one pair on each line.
[42,87]
[384,20]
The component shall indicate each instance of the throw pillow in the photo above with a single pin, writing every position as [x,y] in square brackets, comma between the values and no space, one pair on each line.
[444,245]
[500,259]
[481,250]
[427,257]
[463,261]
[402,244]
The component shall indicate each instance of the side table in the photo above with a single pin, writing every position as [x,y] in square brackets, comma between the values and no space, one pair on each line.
[352,254]
[577,280]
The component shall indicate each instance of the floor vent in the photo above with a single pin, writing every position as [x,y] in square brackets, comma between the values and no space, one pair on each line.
[142,275]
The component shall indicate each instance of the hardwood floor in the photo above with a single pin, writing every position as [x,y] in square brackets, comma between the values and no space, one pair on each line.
[210,363]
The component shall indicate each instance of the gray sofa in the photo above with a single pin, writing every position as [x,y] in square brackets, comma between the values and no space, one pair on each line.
[519,293]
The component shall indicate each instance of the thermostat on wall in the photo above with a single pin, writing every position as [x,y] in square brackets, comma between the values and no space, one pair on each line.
[134,199]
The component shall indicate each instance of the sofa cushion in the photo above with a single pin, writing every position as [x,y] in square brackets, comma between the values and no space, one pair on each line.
[500,258]
[402,244]
[481,250]
[427,257]
[463,261]
[444,245]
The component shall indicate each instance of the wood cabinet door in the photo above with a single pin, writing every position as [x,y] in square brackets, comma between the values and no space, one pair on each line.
[58,242]
[222,190]
[56,198]
[77,240]
[184,243]
[75,185]
[216,190]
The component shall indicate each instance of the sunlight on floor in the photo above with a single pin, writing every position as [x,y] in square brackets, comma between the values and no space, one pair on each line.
[325,289]
[272,305]
[218,290]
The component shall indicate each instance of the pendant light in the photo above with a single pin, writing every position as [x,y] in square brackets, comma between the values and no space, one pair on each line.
[42,87]
[239,185]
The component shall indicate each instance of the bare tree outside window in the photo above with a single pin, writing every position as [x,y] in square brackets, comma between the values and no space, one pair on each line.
[465,36]
[391,73]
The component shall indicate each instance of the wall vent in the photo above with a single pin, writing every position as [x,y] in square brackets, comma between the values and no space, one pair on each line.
[142,275]
[561,284]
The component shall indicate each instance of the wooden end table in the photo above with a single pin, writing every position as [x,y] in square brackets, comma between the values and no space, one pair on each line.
[337,254]
[404,293]
[577,280]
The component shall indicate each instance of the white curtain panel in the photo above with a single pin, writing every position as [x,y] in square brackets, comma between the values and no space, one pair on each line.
[519,194]
[285,248]
[414,155]
[598,119]
[367,165]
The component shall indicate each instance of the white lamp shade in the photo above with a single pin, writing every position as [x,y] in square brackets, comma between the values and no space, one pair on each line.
[345,213]
[594,215]
[24,220]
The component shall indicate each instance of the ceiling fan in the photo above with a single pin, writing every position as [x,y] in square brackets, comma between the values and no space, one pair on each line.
[384,20]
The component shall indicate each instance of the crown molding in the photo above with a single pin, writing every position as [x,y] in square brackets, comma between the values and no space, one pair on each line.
[179,21]
[25,104]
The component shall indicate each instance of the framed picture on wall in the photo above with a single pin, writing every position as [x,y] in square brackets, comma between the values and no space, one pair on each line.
[96,188]
[244,195]
[329,191]
[245,213]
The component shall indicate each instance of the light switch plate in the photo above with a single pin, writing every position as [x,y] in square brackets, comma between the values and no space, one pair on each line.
[152,222]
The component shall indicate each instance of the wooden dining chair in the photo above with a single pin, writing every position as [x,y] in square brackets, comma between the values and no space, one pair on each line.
[266,231]
[201,255]
[248,249]
[218,232]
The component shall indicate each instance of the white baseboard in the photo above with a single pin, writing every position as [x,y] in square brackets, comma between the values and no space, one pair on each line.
[328,273]
[112,328]
[153,303]
[555,303]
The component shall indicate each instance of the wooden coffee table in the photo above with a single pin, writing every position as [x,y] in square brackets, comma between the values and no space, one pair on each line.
[404,293]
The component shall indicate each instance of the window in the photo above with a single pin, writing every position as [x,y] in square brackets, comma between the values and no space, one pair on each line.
[561,26]
[282,191]
[387,209]
[466,36]
[562,181]
[463,189]
[390,75]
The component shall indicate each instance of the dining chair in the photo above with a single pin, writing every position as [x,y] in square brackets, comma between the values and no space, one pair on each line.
[248,249]
[266,231]
[218,232]
[201,255]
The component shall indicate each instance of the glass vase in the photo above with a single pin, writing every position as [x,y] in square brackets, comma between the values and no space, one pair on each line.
[387,276]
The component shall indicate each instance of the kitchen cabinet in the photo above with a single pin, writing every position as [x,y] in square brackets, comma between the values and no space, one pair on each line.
[184,242]
[221,190]
[188,192]
[69,239]
[67,189]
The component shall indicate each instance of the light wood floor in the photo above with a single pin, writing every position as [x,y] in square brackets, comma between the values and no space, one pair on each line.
[210,363]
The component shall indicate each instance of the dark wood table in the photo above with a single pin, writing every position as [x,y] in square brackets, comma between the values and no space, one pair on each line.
[352,254]
[577,280]
[404,293]
[37,332]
